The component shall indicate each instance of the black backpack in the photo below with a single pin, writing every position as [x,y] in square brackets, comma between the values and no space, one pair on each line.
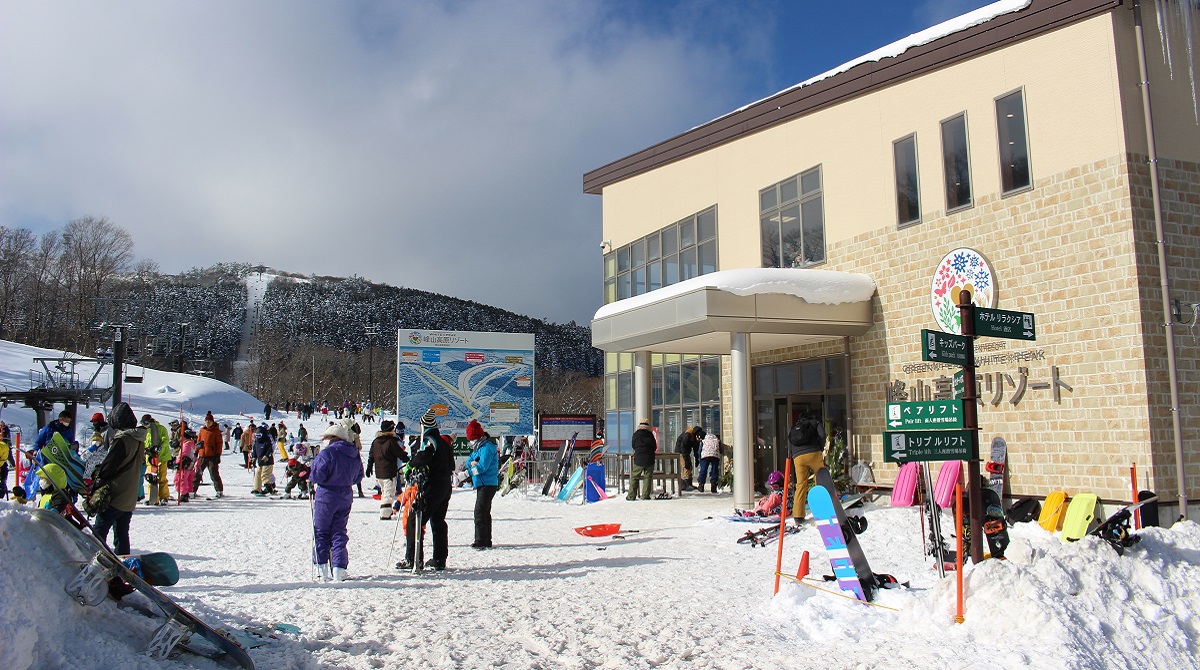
[1024,511]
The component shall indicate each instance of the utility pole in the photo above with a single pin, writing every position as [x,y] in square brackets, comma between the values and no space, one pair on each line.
[372,330]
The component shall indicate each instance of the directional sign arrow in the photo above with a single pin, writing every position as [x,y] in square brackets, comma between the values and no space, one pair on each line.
[895,424]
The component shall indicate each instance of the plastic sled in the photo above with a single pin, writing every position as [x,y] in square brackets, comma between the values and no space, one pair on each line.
[943,490]
[1083,516]
[905,490]
[1053,510]
[599,530]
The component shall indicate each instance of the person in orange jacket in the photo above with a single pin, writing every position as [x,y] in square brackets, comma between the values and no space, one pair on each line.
[208,454]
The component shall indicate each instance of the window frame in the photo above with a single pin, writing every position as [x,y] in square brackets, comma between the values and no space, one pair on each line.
[946,175]
[776,213]
[620,284]
[999,148]
[916,178]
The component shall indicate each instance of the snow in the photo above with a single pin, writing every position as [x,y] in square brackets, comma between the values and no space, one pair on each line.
[948,27]
[815,286]
[679,594]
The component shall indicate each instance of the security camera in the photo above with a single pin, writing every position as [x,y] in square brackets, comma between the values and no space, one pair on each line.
[606,244]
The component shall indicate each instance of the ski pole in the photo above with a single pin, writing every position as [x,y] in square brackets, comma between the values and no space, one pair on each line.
[787,476]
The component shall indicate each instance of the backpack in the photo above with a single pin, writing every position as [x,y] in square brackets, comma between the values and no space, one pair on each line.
[1024,510]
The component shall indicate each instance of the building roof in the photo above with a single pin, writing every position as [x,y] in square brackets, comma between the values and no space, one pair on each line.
[987,29]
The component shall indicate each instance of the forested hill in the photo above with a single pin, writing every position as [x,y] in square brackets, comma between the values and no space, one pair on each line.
[335,311]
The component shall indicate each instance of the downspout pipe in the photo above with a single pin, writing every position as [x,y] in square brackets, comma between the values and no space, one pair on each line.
[1163,264]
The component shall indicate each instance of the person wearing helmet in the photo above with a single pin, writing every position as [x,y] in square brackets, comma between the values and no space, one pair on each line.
[771,504]
[52,488]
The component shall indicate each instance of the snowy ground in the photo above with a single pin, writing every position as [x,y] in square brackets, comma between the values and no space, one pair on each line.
[681,593]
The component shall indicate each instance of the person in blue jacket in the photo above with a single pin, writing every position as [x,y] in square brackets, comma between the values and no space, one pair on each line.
[337,468]
[60,425]
[484,466]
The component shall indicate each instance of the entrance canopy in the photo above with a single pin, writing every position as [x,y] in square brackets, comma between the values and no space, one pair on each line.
[780,307]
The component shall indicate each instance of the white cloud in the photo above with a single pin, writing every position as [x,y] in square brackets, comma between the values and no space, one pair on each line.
[439,146]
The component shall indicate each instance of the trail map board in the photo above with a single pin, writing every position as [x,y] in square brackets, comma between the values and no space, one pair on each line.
[466,375]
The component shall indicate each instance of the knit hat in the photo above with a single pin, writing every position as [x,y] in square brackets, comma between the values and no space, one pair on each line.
[97,418]
[386,426]
[474,430]
[399,427]
[208,417]
[429,420]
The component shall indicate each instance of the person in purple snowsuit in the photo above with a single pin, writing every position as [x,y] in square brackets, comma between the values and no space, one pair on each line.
[337,468]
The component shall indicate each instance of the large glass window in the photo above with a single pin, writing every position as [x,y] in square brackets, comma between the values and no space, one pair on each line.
[682,250]
[684,391]
[908,195]
[956,163]
[792,221]
[1014,142]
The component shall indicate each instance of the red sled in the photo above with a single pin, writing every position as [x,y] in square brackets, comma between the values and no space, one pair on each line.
[599,530]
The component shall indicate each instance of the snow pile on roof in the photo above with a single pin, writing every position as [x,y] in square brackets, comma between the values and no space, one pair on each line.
[974,18]
[826,287]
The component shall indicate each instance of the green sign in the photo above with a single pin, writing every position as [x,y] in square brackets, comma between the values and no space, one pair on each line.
[1003,323]
[925,415]
[945,347]
[959,385]
[939,445]
[462,446]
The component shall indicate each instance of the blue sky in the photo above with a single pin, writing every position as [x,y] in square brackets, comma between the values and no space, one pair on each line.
[435,145]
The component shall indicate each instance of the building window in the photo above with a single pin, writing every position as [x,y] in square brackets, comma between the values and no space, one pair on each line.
[908,193]
[685,391]
[792,221]
[682,250]
[956,163]
[1014,143]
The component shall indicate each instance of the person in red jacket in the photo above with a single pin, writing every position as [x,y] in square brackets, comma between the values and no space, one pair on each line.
[208,454]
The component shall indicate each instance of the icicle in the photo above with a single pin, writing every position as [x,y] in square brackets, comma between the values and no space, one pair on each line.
[1184,16]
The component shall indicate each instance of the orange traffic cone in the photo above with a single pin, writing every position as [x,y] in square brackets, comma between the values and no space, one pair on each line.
[802,571]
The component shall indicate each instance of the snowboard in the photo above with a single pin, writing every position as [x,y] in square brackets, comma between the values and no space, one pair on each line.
[847,570]
[855,525]
[157,568]
[90,587]
[1115,529]
[572,485]
[995,466]
[58,452]
[995,527]
[1082,516]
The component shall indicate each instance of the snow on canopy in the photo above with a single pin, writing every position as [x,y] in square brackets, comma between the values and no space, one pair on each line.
[826,287]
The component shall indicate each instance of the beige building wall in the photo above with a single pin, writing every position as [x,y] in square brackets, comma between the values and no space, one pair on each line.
[1077,250]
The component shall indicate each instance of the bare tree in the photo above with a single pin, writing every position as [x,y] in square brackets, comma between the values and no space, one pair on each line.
[559,391]
[95,250]
[16,249]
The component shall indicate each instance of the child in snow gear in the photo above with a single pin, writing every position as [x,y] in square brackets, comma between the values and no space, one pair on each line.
[772,504]
[483,464]
[297,474]
[337,468]
[158,453]
[185,464]
[53,493]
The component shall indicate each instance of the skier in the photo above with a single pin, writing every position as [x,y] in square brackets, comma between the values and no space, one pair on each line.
[386,454]
[264,459]
[208,456]
[433,460]
[337,468]
[483,464]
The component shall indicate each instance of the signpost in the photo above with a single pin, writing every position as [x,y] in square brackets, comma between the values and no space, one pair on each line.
[930,445]
[945,347]
[1004,323]
[958,385]
[925,415]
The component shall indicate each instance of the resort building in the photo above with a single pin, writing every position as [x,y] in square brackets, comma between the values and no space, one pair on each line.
[785,258]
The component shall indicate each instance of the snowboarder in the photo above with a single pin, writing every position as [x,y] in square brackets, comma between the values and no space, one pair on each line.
[208,455]
[483,464]
[337,468]
[119,472]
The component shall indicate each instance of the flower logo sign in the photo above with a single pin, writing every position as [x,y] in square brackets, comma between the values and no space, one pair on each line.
[960,269]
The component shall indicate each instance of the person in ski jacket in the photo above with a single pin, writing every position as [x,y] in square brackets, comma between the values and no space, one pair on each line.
[710,461]
[208,454]
[806,448]
[267,412]
[484,466]
[302,433]
[297,474]
[185,465]
[688,445]
[246,444]
[386,454]
[120,471]
[337,468]
[772,503]
[158,453]
[264,458]
[432,465]
[644,446]
[53,493]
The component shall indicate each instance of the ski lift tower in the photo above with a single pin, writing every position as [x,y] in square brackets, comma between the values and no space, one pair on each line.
[60,383]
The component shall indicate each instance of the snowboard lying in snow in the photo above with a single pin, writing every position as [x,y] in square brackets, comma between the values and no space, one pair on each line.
[91,586]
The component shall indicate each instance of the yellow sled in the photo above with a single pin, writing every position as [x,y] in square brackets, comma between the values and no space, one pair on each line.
[1053,509]
[1084,514]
